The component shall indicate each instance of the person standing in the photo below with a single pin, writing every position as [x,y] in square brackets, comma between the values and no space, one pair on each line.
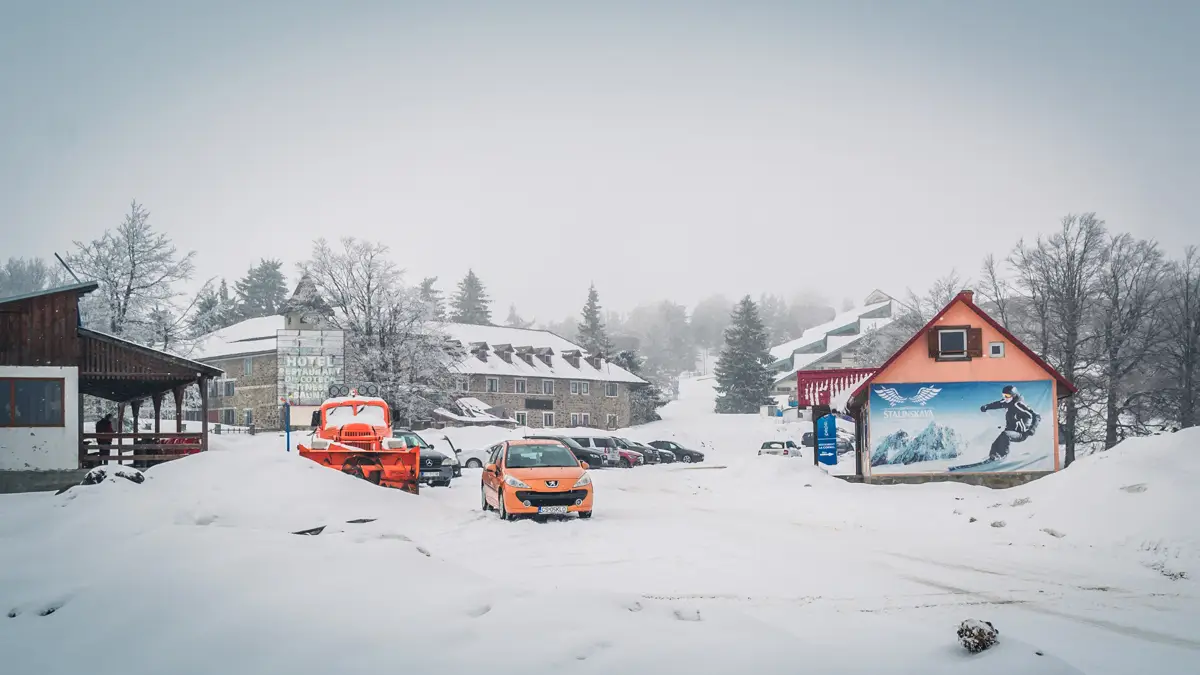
[104,426]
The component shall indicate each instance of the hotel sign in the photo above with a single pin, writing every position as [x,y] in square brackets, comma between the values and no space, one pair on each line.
[309,361]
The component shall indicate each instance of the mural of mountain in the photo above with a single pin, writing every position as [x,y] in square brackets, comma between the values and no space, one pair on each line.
[934,442]
[889,447]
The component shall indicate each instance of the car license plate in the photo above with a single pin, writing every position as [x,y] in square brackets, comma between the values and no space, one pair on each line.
[553,510]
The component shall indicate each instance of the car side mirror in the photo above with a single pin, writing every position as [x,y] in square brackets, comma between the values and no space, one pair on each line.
[584,464]
[432,446]
[458,451]
[490,468]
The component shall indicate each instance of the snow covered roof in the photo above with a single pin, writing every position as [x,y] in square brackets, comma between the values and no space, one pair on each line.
[819,342]
[257,336]
[252,336]
[473,411]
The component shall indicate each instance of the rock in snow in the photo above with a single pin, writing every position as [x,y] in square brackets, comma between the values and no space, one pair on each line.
[102,473]
[976,635]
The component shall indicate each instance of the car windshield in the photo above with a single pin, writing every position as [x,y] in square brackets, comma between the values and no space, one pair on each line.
[549,454]
[570,443]
[356,413]
[623,443]
[412,440]
[772,445]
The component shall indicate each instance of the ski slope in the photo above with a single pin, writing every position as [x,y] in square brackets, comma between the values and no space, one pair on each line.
[740,564]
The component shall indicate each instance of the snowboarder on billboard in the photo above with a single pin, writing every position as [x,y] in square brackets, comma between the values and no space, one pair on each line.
[1020,422]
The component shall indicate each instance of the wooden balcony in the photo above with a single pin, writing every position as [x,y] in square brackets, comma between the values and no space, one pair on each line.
[138,449]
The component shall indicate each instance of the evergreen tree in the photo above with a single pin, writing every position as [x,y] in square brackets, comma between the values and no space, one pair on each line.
[591,334]
[472,304]
[214,310]
[432,297]
[262,291]
[644,400]
[743,379]
[514,320]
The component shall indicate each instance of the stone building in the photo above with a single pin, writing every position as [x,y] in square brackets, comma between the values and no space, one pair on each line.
[534,377]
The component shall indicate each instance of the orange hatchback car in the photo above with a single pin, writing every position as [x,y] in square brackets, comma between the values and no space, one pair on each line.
[536,477]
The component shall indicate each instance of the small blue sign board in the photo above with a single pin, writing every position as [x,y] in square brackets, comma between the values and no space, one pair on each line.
[827,439]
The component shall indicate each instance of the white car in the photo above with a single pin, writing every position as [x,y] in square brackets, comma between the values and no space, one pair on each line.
[781,448]
[473,459]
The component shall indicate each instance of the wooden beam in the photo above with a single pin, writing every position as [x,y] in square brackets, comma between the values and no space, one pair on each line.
[135,405]
[120,421]
[203,384]
[157,400]
[178,392]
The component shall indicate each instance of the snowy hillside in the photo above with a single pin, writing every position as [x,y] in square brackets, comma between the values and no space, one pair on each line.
[742,563]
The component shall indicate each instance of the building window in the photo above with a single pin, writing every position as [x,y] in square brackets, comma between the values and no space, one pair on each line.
[519,386]
[612,421]
[585,419]
[610,389]
[952,343]
[574,419]
[548,387]
[548,419]
[223,388]
[248,366]
[996,350]
[493,385]
[580,388]
[30,402]
[464,384]
[248,416]
[522,418]
[229,417]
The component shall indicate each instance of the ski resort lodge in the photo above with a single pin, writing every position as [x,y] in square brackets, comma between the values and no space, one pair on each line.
[48,362]
[510,376]
[963,399]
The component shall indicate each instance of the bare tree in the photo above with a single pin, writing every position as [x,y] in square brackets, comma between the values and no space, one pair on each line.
[1181,348]
[877,345]
[995,289]
[19,276]
[392,337]
[1061,276]
[137,269]
[1128,328]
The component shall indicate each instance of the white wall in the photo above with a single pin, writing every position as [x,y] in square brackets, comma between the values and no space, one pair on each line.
[44,448]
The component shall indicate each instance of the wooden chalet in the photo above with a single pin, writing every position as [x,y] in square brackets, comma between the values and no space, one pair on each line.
[45,353]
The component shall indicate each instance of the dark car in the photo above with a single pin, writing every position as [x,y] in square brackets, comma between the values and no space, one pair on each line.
[650,454]
[436,468]
[593,457]
[845,443]
[682,454]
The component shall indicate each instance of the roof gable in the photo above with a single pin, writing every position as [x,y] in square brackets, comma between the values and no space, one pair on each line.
[966,298]
[80,288]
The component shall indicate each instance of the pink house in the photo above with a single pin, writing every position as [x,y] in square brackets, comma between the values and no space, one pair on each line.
[962,397]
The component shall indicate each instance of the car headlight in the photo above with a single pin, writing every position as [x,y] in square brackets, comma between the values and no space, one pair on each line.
[513,481]
[584,480]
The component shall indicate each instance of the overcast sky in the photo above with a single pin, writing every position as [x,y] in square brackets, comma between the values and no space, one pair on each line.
[665,153]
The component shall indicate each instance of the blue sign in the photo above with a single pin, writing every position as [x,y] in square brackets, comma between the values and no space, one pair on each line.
[827,439]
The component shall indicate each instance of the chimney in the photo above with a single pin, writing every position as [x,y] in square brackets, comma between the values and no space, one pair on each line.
[968,294]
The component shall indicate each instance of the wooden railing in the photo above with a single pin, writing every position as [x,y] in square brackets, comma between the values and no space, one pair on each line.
[140,448]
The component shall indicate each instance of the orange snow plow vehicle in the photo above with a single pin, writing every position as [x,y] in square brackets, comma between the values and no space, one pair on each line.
[354,435]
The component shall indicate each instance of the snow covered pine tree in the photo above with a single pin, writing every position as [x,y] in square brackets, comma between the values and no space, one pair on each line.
[591,334]
[743,379]
[472,304]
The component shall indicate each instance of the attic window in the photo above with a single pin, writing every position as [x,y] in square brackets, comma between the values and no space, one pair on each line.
[955,343]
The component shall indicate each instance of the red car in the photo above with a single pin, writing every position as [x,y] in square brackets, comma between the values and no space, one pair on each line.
[631,458]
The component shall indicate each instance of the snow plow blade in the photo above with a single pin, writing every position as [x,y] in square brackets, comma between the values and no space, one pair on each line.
[388,468]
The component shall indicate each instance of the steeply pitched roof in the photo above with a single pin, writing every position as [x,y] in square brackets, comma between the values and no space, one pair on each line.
[81,288]
[965,297]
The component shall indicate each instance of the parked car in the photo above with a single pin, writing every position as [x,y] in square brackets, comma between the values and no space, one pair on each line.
[474,459]
[593,456]
[437,467]
[452,456]
[604,444]
[682,454]
[845,443]
[649,455]
[535,477]
[782,448]
[666,456]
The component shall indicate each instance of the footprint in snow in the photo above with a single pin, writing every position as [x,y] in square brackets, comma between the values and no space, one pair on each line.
[14,613]
[635,607]
[598,647]
[1135,488]
[424,552]
[206,520]
[687,614]
[52,608]
[479,611]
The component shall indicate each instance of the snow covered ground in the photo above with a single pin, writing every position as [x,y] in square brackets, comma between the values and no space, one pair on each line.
[743,563]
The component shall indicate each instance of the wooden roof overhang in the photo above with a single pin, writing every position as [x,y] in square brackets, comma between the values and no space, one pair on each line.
[120,370]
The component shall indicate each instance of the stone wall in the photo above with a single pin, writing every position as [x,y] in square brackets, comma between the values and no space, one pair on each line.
[595,403]
[991,480]
[257,390]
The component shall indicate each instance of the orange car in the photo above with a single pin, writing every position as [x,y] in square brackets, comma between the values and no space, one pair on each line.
[536,477]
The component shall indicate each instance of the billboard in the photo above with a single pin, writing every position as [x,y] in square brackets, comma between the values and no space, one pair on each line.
[309,361]
[967,427]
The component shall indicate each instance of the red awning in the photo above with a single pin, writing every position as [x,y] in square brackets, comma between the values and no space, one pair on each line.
[818,387]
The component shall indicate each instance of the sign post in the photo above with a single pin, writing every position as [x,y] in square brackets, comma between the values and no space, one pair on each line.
[287,424]
[827,439]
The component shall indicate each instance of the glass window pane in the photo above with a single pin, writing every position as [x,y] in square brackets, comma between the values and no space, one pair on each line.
[5,403]
[38,402]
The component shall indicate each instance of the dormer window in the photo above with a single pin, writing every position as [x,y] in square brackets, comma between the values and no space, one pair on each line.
[955,343]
